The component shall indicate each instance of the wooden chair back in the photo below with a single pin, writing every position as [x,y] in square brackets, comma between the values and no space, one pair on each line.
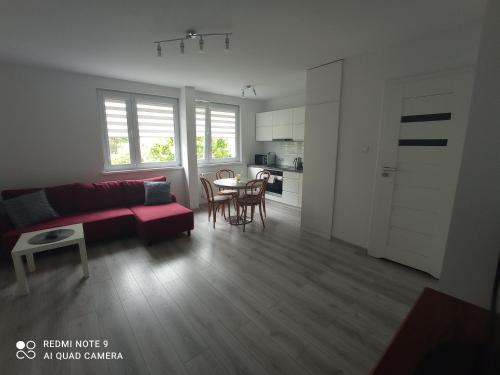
[253,186]
[263,174]
[209,192]
[224,173]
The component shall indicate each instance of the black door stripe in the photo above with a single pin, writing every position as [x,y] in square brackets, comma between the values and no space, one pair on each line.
[427,117]
[423,142]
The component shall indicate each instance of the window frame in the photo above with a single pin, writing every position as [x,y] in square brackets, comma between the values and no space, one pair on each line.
[209,106]
[133,130]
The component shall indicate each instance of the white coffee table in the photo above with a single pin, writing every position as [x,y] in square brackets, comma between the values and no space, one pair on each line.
[24,248]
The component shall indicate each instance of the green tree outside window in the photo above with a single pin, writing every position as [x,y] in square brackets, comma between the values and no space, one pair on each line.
[220,148]
[200,148]
[163,151]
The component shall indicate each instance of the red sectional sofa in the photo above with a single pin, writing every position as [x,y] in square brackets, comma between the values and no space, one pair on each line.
[107,210]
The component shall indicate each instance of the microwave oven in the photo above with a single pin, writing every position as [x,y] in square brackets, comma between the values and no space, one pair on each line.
[265,159]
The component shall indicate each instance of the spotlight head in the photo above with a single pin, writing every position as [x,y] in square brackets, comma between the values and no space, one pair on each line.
[202,44]
[158,49]
[226,43]
[254,92]
[182,47]
[191,34]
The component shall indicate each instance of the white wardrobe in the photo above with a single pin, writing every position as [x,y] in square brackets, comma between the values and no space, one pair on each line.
[323,91]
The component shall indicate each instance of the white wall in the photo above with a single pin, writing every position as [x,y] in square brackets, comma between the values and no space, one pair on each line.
[297,100]
[50,132]
[363,84]
[474,237]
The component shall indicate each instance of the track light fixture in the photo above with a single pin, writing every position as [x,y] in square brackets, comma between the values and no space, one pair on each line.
[246,88]
[191,34]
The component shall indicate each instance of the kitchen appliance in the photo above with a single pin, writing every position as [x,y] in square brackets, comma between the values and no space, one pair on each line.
[265,159]
[275,182]
[297,163]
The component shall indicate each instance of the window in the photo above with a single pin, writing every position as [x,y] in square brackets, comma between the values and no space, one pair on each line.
[139,131]
[217,133]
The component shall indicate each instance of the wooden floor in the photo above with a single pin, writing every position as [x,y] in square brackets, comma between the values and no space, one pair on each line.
[273,301]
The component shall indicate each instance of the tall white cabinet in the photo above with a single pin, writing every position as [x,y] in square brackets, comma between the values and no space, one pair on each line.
[323,89]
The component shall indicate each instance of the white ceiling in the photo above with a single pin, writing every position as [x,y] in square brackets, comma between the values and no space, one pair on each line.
[273,41]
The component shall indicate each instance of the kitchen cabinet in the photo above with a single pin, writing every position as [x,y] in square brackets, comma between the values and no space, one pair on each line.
[282,117]
[323,92]
[264,126]
[292,187]
[298,115]
[264,133]
[264,119]
[298,123]
[281,124]
[282,132]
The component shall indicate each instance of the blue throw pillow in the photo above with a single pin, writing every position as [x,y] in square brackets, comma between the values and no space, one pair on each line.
[29,209]
[157,192]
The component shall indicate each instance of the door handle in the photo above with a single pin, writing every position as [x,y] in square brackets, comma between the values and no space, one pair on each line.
[386,171]
[389,169]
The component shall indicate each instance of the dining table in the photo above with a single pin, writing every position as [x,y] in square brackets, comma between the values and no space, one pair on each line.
[238,185]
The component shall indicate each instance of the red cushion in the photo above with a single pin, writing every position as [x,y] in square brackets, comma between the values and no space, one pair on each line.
[97,225]
[134,189]
[99,196]
[61,198]
[157,222]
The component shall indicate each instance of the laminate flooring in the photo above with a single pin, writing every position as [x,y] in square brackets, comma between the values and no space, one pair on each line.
[273,301]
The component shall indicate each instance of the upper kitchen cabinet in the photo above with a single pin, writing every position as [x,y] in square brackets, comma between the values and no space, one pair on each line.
[282,117]
[298,122]
[264,119]
[280,125]
[264,126]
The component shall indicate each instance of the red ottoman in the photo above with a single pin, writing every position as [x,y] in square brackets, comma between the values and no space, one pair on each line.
[157,222]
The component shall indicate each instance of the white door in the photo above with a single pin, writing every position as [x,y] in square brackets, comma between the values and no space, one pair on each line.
[421,141]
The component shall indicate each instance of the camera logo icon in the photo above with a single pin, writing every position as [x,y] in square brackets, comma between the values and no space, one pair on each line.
[25,349]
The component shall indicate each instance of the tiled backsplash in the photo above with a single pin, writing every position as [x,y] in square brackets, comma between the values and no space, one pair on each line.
[285,151]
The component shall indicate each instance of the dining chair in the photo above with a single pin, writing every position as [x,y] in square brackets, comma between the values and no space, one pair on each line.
[215,201]
[260,175]
[226,173]
[252,199]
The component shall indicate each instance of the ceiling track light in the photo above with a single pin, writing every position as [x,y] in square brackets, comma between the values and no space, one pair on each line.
[191,34]
[245,88]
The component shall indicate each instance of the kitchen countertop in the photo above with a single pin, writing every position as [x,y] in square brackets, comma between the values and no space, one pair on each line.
[277,167]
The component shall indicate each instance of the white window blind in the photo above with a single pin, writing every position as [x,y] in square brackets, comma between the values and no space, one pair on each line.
[217,131]
[117,129]
[156,131]
[200,132]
